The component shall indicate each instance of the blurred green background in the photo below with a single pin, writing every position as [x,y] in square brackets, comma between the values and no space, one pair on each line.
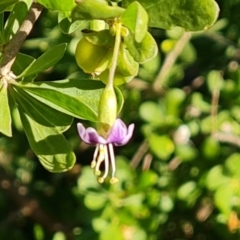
[179,177]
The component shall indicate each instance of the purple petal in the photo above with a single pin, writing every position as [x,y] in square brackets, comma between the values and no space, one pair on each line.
[89,135]
[120,134]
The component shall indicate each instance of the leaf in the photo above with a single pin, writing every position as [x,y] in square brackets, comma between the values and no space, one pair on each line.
[135,18]
[162,146]
[5,115]
[60,5]
[151,112]
[4,4]
[51,147]
[15,20]
[43,127]
[191,15]
[21,63]
[232,163]
[216,178]
[40,112]
[141,51]
[95,9]
[75,97]
[45,61]
[223,198]
[66,26]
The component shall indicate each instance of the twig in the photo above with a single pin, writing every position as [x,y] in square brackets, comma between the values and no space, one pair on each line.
[228,138]
[143,148]
[214,105]
[147,162]
[13,47]
[169,61]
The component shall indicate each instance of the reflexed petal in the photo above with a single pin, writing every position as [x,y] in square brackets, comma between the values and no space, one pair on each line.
[120,134]
[89,135]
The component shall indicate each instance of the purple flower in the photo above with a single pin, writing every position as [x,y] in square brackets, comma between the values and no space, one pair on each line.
[119,135]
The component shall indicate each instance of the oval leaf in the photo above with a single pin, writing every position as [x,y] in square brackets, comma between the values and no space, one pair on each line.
[191,15]
[45,61]
[5,115]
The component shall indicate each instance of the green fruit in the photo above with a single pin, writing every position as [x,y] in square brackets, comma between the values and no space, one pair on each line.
[90,57]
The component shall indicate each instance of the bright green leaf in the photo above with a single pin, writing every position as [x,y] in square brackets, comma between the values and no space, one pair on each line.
[5,115]
[59,5]
[95,201]
[192,15]
[46,60]
[162,146]
[92,9]
[151,112]
[216,178]
[135,18]
[233,164]
[214,81]
[223,198]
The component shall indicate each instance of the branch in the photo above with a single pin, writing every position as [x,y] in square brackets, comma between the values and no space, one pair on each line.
[169,61]
[227,137]
[141,151]
[13,47]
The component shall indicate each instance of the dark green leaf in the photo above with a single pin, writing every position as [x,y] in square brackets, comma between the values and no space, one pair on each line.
[15,19]
[46,60]
[66,26]
[4,4]
[191,15]
[21,63]
[5,115]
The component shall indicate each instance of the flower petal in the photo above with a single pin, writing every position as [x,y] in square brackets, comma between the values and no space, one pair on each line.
[89,135]
[120,134]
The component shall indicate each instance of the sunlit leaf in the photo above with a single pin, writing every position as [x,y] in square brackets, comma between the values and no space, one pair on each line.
[45,139]
[161,145]
[76,97]
[15,19]
[135,18]
[60,5]
[5,115]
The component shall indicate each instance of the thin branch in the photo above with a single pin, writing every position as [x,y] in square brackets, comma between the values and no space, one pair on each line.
[169,61]
[214,105]
[13,47]
[143,148]
[228,138]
